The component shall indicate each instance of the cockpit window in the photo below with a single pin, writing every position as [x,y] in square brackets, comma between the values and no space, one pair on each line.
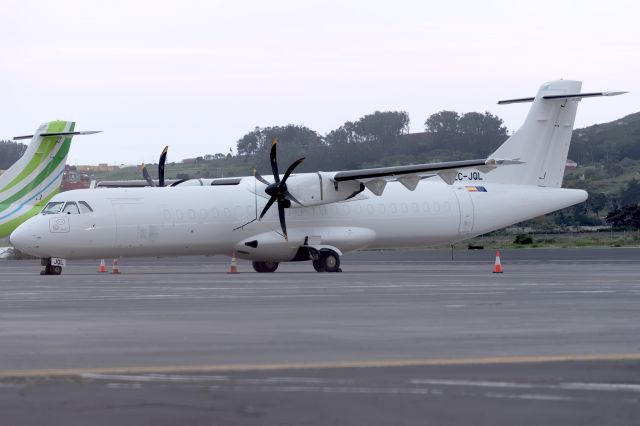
[53,207]
[84,207]
[71,208]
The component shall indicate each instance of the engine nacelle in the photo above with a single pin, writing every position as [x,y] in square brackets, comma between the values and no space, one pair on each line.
[314,189]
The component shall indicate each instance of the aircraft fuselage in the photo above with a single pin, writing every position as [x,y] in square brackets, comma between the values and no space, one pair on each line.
[209,219]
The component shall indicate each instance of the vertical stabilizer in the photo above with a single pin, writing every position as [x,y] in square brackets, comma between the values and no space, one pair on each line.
[542,142]
[32,180]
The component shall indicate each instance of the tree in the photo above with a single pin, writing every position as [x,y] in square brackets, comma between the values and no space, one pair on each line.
[250,143]
[472,133]
[382,126]
[625,217]
[443,123]
[631,194]
[482,133]
[10,152]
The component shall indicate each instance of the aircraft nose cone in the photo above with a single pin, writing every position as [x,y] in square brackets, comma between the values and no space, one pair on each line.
[23,238]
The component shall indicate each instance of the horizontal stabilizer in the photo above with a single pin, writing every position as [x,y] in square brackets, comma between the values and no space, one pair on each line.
[87,132]
[575,96]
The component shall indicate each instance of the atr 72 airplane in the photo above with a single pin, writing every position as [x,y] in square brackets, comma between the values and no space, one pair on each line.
[35,178]
[319,216]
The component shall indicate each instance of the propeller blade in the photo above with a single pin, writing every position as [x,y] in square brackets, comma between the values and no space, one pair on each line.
[266,208]
[163,159]
[291,168]
[259,177]
[146,176]
[288,195]
[283,224]
[274,160]
[178,182]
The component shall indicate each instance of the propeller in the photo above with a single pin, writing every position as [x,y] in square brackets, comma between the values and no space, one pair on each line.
[278,189]
[145,173]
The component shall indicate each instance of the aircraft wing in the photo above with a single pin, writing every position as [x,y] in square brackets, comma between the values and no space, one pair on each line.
[376,179]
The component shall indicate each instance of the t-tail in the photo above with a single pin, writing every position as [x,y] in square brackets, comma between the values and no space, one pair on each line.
[542,143]
[32,180]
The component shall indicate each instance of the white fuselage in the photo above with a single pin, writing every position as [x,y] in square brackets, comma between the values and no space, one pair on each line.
[206,220]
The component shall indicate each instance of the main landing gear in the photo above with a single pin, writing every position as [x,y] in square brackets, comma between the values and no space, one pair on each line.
[327,261]
[49,269]
[324,261]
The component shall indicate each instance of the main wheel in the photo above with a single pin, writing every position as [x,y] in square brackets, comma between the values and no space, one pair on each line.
[329,261]
[317,265]
[265,266]
[56,270]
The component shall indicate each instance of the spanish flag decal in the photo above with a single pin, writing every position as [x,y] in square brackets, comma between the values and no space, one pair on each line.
[476,188]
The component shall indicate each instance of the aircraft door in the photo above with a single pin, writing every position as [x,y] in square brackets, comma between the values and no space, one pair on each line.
[465,204]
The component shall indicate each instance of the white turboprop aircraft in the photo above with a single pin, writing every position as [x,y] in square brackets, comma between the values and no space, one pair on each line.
[321,215]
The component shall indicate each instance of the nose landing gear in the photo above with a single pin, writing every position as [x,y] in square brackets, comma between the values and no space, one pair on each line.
[265,266]
[49,269]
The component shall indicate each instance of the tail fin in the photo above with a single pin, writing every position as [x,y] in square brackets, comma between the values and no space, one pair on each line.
[542,143]
[32,180]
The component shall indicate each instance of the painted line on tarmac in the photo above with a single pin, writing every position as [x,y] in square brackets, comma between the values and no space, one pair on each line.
[207,368]
[604,387]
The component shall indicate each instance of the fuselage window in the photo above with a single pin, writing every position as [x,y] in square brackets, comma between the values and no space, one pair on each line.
[53,208]
[71,208]
[84,207]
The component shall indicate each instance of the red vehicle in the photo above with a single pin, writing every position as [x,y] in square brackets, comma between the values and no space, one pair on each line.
[73,179]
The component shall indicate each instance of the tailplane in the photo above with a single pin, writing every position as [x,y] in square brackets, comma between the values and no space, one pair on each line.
[542,143]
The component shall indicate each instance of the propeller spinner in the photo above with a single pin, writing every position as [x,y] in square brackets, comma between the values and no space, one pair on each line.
[278,190]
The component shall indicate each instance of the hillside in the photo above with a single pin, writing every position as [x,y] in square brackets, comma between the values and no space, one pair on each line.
[608,154]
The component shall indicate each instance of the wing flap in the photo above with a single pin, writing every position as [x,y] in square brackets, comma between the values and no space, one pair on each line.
[396,171]
[376,179]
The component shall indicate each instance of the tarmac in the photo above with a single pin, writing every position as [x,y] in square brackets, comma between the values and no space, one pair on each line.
[399,337]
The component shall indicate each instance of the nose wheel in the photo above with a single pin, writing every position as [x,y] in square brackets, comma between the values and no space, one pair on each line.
[265,266]
[50,269]
[328,261]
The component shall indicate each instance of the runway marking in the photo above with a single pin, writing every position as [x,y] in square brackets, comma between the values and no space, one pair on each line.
[607,387]
[529,396]
[573,291]
[337,389]
[201,378]
[207,368]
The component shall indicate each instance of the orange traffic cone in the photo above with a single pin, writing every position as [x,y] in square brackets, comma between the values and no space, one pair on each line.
[233,269]
[497,268]
[115,268]
[102,267]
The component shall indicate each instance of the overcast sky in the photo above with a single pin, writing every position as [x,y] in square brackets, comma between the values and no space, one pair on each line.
[198,75]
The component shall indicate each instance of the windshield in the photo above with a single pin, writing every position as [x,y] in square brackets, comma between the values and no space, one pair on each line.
[71,208]
[85,207]
[53,208]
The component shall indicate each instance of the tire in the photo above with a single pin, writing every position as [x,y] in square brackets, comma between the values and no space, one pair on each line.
[56,270]
[265,266]
[329,262]
[317,265]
